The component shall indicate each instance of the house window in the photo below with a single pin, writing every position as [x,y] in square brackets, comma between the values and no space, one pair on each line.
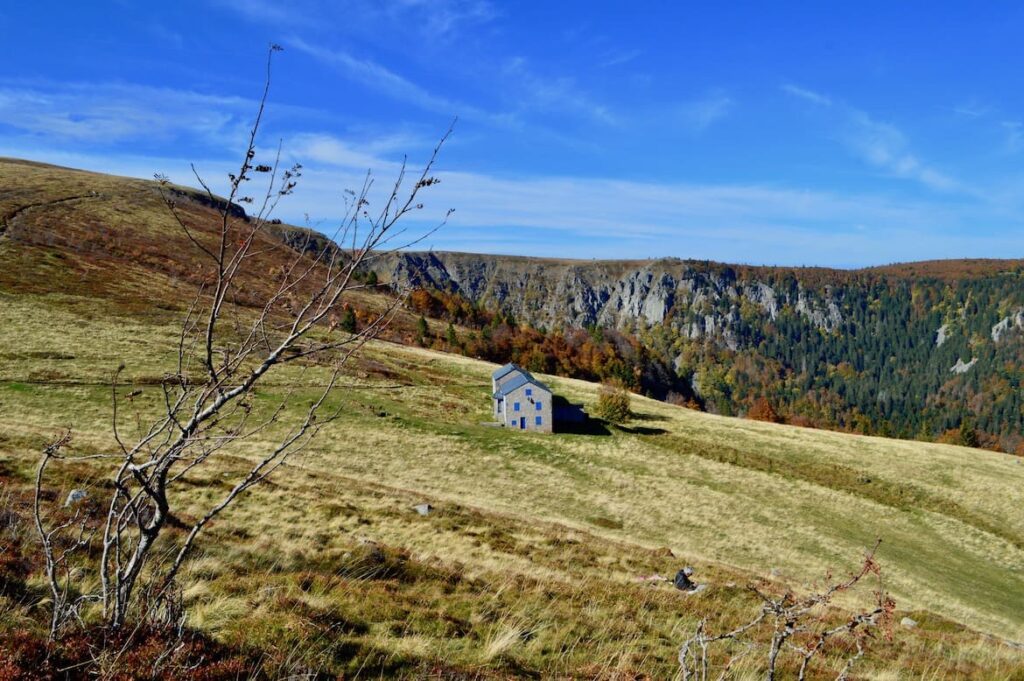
[538,420]
[529,391]
[515,406]
[539,405]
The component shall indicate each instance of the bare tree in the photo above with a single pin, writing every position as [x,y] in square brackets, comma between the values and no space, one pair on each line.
[223,353]
[793,624]
[61,543]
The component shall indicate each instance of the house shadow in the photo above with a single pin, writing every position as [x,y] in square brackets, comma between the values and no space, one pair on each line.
[646,417]
[573,419]
[588,426]
[642,430]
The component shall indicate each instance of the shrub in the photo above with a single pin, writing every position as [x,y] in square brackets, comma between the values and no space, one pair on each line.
[612,403]
[968,434]
[421,331]
[763,411]
[348,320]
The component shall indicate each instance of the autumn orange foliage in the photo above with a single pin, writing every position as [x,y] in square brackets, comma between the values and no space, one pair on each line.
[763,411]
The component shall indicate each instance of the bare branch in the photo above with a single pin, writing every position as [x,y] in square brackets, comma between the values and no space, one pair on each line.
[230,349]
[786,617]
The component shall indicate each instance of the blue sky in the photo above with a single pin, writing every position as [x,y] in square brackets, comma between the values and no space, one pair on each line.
[847,135]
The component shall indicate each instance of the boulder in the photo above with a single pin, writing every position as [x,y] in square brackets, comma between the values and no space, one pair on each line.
[75,496]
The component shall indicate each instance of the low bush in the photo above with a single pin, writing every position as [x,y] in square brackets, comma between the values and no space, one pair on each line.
[612,403]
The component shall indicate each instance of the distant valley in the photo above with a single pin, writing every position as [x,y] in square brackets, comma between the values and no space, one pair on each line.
[922,350]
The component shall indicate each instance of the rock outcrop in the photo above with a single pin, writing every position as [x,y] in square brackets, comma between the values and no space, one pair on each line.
[700,300]
[962,367]
[1014,322]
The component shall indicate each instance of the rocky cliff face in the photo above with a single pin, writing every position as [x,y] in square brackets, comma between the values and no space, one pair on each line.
[698,299]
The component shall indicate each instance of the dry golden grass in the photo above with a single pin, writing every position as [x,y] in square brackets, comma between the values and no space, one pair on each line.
[663,492]
[537,537]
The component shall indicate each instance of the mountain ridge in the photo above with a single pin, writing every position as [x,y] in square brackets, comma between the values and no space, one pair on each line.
[944,268]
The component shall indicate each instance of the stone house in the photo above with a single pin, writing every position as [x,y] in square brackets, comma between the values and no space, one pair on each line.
[520,400]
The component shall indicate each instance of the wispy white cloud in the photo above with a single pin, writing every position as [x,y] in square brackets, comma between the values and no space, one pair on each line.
[553,93]
[329,150]
[807,95]
[880,144]
[989,116]
[382,79]
[447,17]
[885,147]
[702,220]
[525,89]
[620,57]
[116,112]
[166,35]
[533,93]
[429,20]
[279,14]
[1014,135]
[375,75]
[752,223]
[702,113]
[972,109]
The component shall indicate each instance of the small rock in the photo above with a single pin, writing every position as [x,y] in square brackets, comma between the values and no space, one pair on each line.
[682,580]
[908,623]
[423,509]
[74,496]
[775,572]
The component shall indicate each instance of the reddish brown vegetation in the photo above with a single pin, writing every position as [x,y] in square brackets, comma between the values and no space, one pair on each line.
[588,354]
[763,411]
[156,651]
[26,655]
[950,270]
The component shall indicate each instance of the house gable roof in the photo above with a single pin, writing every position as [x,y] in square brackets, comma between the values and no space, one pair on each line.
[518,382]
[503,370]
[506,369]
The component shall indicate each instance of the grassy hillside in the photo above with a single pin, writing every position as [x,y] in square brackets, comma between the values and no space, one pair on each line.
[737,499]
[529,565]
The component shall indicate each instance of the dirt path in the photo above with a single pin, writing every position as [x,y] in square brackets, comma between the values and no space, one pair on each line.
[7,220]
